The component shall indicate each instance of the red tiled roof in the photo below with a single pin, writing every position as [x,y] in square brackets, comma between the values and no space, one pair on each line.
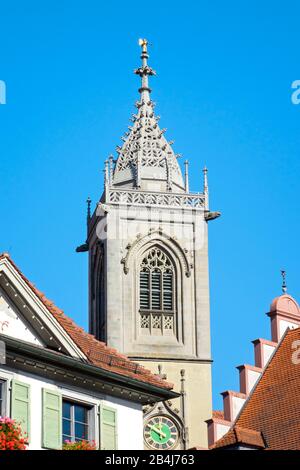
[240,436]
[219,414]
[97,352]
[273,407]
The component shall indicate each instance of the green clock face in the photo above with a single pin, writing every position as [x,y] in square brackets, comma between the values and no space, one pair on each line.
[160,432]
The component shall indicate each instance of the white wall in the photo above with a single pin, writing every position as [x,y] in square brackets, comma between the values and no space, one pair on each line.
[221,430]
[267,352]
[130,424]
[130,415]
[286,324]
[253,376]
[237,404]
[13,324]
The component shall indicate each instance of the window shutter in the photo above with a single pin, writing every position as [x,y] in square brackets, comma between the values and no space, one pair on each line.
[20,405]
[168,290]
[52,419]
[144,290]
[108,428]
[156,290]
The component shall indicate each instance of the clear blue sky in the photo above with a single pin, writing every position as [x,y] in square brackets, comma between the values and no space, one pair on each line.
[224,92]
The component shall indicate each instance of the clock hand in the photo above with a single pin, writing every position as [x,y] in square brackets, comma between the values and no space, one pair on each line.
[161,427]
[158,431]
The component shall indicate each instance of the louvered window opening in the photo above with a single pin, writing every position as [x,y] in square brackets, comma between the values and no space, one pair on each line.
[157,303]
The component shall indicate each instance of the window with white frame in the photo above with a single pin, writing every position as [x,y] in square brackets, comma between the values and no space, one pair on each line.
[2,397]
[157,293]
[76,422]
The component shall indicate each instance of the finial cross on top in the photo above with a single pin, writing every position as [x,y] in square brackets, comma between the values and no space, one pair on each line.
[284,286]
[143,43]
[144,71]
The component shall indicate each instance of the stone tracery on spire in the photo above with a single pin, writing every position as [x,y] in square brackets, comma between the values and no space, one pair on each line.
[146,159]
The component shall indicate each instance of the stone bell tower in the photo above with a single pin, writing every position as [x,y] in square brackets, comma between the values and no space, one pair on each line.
[148,264]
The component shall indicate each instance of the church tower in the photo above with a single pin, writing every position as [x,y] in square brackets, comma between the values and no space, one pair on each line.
[148,271]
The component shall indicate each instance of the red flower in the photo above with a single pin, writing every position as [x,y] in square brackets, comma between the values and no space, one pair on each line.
[79,445]
[11,436]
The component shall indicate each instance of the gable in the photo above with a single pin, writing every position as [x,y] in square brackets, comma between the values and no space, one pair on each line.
[272,409]
[25,315]
[13,324]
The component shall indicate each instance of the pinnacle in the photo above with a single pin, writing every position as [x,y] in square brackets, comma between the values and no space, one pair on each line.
[145,154]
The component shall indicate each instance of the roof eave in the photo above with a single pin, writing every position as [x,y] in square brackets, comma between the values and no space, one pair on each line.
[154,392]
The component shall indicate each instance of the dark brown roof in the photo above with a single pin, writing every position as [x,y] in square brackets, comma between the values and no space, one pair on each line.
[97,352]
[273,407]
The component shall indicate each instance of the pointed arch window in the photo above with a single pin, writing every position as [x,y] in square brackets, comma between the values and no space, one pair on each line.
[157,293]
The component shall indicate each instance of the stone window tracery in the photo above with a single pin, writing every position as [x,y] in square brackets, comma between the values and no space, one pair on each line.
[157,304]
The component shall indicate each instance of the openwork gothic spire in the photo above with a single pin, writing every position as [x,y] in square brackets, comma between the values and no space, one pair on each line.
[146,160]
